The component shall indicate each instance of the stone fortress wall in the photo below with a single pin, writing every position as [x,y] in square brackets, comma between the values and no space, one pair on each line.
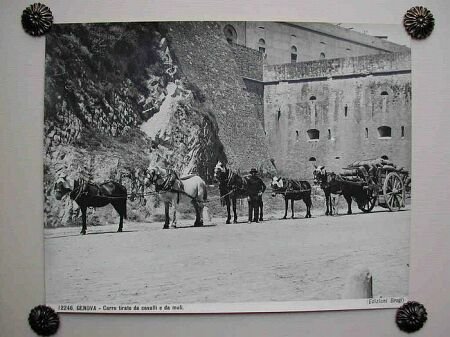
[338,111]
[276,111]
[312,41]
[207,61]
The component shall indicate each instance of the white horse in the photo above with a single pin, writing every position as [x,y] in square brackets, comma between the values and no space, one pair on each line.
[174,190]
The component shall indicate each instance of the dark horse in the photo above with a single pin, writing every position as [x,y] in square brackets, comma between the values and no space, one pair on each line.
[231,188]
[332,183]
[87,194]
[293,190]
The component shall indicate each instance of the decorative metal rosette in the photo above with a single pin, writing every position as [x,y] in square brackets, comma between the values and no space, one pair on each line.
[411,316]
[37,19]
[43,320]
[418,22]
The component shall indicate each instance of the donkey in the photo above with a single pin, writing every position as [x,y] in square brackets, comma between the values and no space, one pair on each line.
[293,190]
[174,190]
[87,194]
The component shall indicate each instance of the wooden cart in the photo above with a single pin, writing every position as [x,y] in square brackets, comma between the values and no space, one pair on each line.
[388,187]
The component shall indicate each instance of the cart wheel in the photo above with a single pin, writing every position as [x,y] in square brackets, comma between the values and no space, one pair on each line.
[370,204]
[394,191]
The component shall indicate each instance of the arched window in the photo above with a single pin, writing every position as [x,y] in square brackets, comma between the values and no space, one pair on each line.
[403,132]
[384,131]
[322,55]
[293,54]
[313,134]
[367,132]
[312,159]
[296,135]
[312,98]
[384,97]
[262,45]
[230,33]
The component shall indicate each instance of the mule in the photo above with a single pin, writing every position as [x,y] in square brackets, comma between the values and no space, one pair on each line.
[232,188]
[292,190]
[174,190]
[87,194]
[332,183]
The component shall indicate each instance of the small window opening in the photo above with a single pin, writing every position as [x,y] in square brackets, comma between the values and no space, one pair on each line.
[367,133]
[313,134]
[230,34]
[322,55]
[403,132]
[262,46]
[312,159]
[296,135]
[346,110]
[321,42]
[261,27]
[329,133]
[312,98]
[293,54]
[384,132]
[384,93]
[279,114]
[293,35]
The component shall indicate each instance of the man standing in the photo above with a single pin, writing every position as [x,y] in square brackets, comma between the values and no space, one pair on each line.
[255,187]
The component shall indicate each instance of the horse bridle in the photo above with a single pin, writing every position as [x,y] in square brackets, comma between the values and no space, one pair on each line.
[79,190]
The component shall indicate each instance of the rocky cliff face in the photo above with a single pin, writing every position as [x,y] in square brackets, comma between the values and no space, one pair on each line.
[115,104]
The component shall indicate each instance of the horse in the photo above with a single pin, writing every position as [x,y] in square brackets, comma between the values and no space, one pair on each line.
[231,188]
[174,190]
[87,194]
[332,183]
[292,190]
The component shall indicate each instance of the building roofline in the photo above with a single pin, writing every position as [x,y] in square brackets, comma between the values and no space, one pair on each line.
[344,34]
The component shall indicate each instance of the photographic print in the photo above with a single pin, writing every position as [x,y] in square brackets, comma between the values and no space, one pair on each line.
[226,166]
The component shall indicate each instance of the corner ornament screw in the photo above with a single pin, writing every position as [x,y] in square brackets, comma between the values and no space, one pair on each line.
[37,19]
[43,320]
[411,316]
[418,22]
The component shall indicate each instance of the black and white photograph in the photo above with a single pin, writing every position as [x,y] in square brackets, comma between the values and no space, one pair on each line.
[230,166]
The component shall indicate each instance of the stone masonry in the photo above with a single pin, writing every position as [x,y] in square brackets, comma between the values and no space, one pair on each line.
[338,111]
[208,62]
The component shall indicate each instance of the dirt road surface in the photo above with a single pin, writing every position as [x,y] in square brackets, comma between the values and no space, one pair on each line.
[276,260]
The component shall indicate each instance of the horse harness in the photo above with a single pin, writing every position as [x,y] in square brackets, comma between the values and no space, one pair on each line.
[290,188]
[82,190]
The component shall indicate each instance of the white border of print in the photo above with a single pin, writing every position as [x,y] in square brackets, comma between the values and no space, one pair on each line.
[217,308]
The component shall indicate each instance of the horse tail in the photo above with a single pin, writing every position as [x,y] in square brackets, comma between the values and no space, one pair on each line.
[205,194]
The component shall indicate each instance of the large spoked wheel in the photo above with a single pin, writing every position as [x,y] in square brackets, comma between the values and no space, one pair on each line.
[370,202]
[394,192]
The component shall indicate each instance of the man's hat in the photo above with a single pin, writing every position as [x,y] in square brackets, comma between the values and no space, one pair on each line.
[253,170]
